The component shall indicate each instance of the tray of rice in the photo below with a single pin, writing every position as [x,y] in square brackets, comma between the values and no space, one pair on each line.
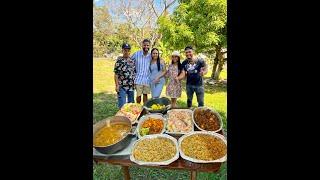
[155,150]
[203,147]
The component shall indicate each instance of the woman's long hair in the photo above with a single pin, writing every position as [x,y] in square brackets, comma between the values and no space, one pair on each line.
[179,65]
[158,59]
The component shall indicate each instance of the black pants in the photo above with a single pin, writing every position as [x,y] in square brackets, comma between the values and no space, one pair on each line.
[199,90]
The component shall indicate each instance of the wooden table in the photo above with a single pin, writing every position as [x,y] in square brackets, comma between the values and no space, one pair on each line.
[179,164]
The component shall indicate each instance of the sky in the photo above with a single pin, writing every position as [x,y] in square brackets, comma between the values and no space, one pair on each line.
[101,2]
[157,5]
[98,2]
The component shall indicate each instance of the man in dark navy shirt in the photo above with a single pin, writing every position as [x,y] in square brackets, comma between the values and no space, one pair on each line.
[194,68]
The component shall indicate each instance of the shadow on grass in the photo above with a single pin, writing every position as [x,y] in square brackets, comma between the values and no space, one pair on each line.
[104,105]
[106,171]
[220,175]
[208,88]
[150,173]
[224,118]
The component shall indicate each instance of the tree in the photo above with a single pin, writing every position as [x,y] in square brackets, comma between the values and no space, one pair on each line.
[103,32]
[142,15]
[102,20]
[201,23]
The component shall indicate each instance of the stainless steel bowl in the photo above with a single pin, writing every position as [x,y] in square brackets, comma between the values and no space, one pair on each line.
[121,144]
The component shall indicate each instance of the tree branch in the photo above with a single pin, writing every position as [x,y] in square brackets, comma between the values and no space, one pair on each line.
[167,6]
[170,4]
[165,3]
[140,14]
[154,10]
[146,22]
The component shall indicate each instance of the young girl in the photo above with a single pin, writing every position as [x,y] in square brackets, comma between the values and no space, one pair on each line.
[174,86]
[157,71]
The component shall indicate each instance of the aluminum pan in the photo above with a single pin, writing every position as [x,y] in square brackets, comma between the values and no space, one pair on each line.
[167,162]
[179,133]
[215,113]
[223,159]
[146,117]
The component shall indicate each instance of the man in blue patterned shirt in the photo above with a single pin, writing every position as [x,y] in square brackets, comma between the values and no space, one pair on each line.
[142,60]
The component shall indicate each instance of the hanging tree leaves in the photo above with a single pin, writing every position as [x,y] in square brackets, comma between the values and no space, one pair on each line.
[201,23]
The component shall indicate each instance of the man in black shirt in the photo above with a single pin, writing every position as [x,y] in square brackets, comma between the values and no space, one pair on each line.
[194,68]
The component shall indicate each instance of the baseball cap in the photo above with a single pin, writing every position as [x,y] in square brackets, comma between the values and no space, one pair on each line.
[126,46]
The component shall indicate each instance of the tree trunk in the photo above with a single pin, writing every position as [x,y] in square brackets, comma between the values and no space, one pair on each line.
[220,67]
[158,38]
[219,56]
[215,64]
[216,61]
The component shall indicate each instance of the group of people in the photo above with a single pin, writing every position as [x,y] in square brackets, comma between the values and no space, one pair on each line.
[145,73]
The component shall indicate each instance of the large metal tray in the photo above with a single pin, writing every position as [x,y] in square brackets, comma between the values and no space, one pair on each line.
[178,134]
[222,159]
[123,154]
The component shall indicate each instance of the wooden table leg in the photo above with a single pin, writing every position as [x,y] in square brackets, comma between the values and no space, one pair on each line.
[193,175]
[125,170]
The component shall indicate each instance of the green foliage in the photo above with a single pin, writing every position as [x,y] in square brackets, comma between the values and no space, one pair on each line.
[201,23]
[109,36]
[102,20]
[103,29]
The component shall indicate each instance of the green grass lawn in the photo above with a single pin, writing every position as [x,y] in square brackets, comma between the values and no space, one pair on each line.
[105,105]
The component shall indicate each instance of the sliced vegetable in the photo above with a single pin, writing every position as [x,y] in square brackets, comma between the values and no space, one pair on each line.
[157,107]
[144,131]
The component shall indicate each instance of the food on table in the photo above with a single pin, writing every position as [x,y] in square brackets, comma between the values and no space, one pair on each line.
[203,147]
[206,119]
[144,131]
[179,121]
[157,107]
[110,134]
[133,108]
[151,126]
[131,111]
[154,150]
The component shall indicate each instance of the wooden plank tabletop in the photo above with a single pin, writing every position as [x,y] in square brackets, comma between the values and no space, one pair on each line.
[179,164]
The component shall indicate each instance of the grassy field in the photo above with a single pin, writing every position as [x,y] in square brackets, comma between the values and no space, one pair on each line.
[105,105]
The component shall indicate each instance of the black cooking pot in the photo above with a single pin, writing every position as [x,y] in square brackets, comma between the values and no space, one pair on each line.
[123,143]
[162,101]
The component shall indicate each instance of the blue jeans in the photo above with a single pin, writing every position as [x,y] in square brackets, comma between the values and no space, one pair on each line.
[123,95]
[199,90]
